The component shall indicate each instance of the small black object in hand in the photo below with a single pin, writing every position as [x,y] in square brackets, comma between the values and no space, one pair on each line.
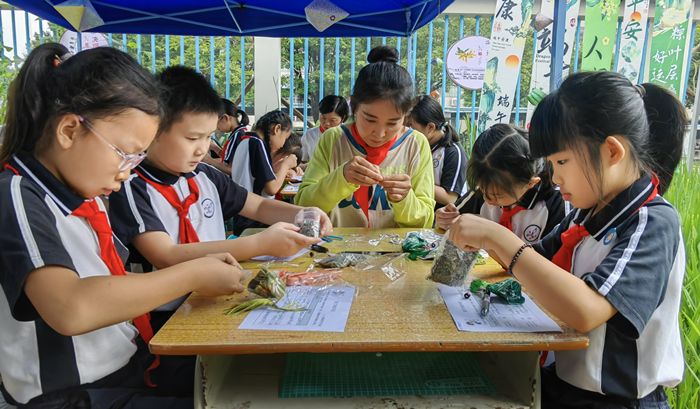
[318,248]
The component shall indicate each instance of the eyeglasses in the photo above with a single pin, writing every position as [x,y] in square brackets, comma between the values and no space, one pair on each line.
[129,160]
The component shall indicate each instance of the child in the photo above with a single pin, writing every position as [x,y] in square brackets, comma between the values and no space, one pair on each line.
[253,168]
[173,207]
[334,112]
[615,268]
[233,121]
[75,127]
[449,158]
[375,172]
[292,146]
[512,188]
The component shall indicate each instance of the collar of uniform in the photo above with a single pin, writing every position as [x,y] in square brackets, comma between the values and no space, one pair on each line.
[162,177]
[28,166]
[619,209]
[530,198]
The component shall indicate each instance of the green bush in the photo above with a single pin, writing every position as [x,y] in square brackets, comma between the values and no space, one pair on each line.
[684,194]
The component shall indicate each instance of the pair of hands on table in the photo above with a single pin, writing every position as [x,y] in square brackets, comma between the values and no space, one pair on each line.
[359,171]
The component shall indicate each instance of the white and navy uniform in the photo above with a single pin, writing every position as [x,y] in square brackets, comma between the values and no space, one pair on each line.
[138,208]
[309,141]
[635,258]
[251,169]
[38,230]
[544,210]
[234,138]
[450,168]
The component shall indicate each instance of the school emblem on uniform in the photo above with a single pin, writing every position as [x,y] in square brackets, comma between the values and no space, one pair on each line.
[532,233]
[609,236]
[208,207]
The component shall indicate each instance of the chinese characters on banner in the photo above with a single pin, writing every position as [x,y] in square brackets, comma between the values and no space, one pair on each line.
[510,29]
[634,31]
[69,39]
[599,34]
[669,44]
[541,69]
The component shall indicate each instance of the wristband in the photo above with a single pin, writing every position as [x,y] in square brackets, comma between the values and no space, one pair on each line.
[515,258]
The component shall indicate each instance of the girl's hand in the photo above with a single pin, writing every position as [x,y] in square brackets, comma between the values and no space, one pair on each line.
[226,258]
[283,240]
[299,171]
[396,186]
[326,225]
[290,161]
[360,172]
[445,215]
[471,232]
[217,277]
[291,173]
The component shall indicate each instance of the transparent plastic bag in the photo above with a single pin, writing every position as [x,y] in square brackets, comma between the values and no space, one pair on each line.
[309,222]
[393,265]
[452,265]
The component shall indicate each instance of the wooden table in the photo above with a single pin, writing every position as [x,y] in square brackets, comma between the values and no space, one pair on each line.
[404,315]
[286,193]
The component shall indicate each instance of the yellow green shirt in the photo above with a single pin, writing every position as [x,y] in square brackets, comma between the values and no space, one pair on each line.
[324,184]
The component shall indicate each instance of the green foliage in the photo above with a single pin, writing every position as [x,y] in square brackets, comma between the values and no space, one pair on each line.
[684,194]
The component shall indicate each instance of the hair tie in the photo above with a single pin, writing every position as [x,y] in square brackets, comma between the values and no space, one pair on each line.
[445,124]
[641,91]
[60,60]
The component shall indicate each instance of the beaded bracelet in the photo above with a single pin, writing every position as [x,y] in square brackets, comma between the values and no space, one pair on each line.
[515,258]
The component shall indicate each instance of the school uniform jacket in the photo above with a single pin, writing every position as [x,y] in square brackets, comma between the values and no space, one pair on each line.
[544,206]
[450,168]
[309,141]
[138,208]
[232,143]
[636,260]
[325,186]
[38,230]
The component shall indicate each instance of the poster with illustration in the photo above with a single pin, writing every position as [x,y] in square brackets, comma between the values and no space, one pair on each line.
[511,27]
[599,34]
[466,62]
[634,31]
[542,68]
[669,44]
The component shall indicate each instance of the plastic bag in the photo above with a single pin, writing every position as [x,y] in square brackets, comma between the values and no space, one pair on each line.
[313,277]
[309,222]
[452,265]
[393,265]
[341,260]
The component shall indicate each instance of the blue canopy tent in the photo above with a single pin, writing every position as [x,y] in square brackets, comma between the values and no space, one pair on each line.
[264,18]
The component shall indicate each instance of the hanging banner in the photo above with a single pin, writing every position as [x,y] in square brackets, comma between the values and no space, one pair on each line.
[634,31]
[669,44]
[600,34]
[69,39]
[542,68]
[510,29]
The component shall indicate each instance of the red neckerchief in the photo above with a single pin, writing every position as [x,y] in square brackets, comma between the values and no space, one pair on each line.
[9,167]
[508,214]
[375,156]
[571,237]
[187,232]
[322,129]
[108,252]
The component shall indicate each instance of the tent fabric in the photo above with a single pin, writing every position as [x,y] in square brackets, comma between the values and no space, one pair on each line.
[265,18]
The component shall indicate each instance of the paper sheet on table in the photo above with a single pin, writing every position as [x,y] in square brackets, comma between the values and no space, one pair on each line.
[291,188]
[466,313]
[327,310]
[273,258]
[296,178]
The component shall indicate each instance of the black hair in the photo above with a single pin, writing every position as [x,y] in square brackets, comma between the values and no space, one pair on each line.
[292,146]
[591,106]
[334,103]
[185,91]
[501,159]
[268,121]
[383,53]
[383,79]
[96,84]
[428,111]
[232,110]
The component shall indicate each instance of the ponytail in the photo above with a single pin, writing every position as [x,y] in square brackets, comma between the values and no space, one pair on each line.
[269,120]
[95,84]
[231,109]
[428,111]
[667,123]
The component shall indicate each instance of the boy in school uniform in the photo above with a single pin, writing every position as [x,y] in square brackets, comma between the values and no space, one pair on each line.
[172,208]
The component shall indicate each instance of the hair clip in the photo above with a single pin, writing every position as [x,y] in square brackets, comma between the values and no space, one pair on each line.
[60,60]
